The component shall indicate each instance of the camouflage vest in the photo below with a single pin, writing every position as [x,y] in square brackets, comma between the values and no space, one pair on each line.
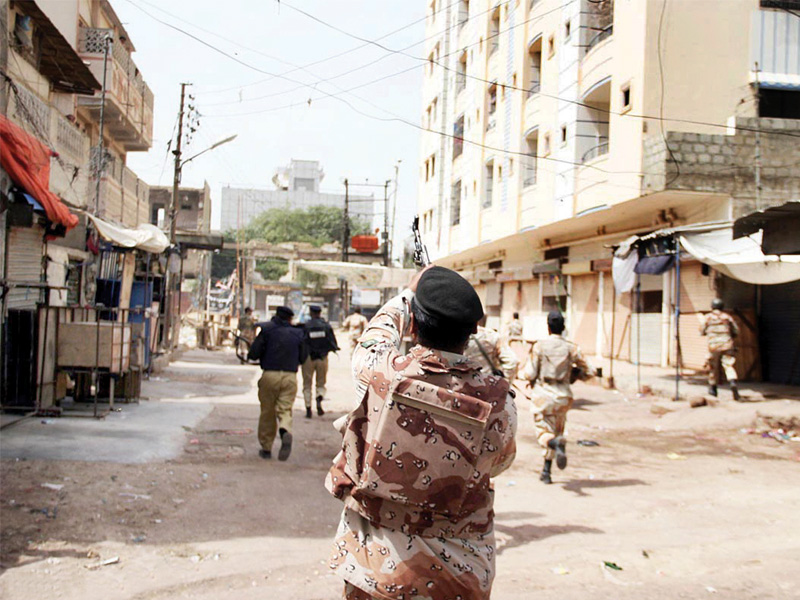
[418,450]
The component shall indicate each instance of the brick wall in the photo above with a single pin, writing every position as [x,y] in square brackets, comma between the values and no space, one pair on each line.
[723,163]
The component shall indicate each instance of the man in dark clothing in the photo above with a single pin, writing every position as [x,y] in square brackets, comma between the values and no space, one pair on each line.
[280,349]
[320,340]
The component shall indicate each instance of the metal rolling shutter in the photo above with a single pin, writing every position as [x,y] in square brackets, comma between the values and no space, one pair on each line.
[25,248]
[780,332]
[584,312]
[697,292]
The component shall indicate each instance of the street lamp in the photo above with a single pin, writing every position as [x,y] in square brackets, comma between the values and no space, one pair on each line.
[179,164]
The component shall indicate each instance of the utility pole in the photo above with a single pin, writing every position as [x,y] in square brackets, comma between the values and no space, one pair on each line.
[394,204]
[386,223]
[758,144]
[100,159]
[173,223]
[176,178]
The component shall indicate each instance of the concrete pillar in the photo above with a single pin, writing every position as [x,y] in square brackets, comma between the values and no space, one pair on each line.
[599,338]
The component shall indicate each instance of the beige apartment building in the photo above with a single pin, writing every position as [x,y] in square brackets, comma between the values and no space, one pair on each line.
[558,128]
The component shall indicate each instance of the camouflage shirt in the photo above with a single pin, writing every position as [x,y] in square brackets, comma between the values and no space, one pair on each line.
[502,357]
[355,324]
[720,328]
[515,329]
[414,472]
[550,367]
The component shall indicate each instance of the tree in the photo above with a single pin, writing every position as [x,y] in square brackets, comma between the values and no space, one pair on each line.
[316,225]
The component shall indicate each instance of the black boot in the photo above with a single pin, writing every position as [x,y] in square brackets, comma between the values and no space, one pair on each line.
[735,390]
[308,412]
[320,412]
[286,445]
[265,454]
[545,476]
[559,444]
[712,390]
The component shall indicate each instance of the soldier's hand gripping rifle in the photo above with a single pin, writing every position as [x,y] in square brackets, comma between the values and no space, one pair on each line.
[421,258]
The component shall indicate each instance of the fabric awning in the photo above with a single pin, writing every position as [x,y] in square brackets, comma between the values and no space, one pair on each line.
[366,276]
[146,237]
[741,258]
[27,162]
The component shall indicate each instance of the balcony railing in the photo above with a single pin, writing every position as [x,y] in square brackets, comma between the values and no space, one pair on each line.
[599,150]
[601,35]
[128,96]
[491,123]
[461,82]
[534,88]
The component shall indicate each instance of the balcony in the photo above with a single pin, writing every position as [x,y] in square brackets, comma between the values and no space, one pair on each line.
[124,197]
[69,174]
[605,33]
[596,151]
[129,101]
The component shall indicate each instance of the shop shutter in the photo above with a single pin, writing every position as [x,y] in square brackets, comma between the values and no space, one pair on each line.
[25,248]
[780,332]
[583,329]
[697,292]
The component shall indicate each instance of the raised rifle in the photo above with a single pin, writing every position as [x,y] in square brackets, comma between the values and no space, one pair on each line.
[421,258]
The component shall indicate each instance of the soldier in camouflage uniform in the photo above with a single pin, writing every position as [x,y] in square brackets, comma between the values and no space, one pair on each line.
[515,328]
[355,324]
[550,370]
[721,330]
[487,349]
[247,326]
[418,452]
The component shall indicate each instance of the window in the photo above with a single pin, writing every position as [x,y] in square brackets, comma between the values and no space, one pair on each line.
[531,147]
[463,13]
[546,144]
[535,67]
[779,104]
[567,31]
[494,32]
[430,64]
[461,73]
[626,97]
[563,135]
[428,117]
[458,137]
[488,191]
[649,301]
[455,204]
[492,108]
[551,46]
[304,183]
[434,107]
[433,11]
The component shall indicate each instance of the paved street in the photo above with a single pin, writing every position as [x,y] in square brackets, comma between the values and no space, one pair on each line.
[673,496]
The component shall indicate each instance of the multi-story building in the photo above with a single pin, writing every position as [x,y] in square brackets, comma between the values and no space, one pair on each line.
[51,63]
[557,128]
[296,186]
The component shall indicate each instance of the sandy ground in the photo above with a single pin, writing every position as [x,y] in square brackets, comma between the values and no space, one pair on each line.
[683,501]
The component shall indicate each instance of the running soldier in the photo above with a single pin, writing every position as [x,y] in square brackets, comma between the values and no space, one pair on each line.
[515,328]
[418,453]
[355,324]
[247,326]
[320,340]
[721,330]
[553,364]
[489,350]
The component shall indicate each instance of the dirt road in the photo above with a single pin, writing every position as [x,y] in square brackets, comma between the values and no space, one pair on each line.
[680,499]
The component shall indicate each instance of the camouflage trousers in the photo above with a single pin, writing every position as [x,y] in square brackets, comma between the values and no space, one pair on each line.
[549,421]
[723,361]
[314,368]
[351,592]
[276,392]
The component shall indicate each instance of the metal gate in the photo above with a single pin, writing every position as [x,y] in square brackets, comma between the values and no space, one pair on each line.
[780,332]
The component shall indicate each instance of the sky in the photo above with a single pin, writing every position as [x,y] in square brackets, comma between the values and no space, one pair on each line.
[272,116]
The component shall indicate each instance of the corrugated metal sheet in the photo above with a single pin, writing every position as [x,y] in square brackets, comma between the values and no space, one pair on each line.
[25,249]
[697,292]
[775,43]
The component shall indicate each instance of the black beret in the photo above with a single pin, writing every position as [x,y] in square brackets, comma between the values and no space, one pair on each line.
[445,294]
[284,312]
[555,318]
[315,308]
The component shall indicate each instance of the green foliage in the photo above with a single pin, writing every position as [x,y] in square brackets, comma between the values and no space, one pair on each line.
[313,281]
[223,264]
[272,269]
[316,225]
